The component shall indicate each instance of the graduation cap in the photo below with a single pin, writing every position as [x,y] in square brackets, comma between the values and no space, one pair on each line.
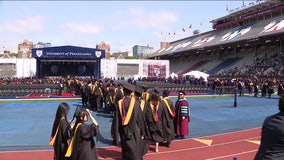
[157,90]
[139,90]
[128,88]
[145,88]
[166,93]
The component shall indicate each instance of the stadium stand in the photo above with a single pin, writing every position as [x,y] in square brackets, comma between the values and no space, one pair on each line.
[236,41]
[194,67]
[225,64]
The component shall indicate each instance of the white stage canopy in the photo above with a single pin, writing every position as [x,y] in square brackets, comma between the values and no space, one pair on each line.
[197,74]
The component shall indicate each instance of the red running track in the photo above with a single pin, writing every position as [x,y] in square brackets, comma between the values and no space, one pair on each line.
[242,144]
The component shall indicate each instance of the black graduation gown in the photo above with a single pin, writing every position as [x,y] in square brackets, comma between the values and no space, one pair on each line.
[155,127]
[272,139]
[114,125]
[168,122]
[61,141]
[114,128]
[131,134]
[144,109]
[84,145]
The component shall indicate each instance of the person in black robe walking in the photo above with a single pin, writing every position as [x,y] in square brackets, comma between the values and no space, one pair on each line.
[144,108]
[168,118]
[154,118]
[130,126]
[119,94]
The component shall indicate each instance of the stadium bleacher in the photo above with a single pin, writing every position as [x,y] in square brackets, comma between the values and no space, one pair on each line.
[243,36]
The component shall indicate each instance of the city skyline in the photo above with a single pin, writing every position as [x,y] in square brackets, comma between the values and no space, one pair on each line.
[121,24]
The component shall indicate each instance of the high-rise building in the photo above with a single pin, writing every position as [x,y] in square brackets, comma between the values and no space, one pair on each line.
[141,51]
[25,49]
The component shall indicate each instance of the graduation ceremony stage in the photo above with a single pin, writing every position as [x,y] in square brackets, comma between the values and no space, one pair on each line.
[218,130]
[68,61]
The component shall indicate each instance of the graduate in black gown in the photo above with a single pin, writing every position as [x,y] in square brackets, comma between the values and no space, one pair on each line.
[154,118]
[130,126]
[168,118]
[60,132]
[119,94]
[82,145]
[144,107]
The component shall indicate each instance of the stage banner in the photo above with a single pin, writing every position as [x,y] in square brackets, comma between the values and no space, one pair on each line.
[68,52]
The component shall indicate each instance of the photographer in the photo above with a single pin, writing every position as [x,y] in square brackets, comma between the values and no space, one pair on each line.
[82,145]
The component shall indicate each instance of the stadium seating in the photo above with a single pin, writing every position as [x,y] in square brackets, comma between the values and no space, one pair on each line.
[25,89]
[226,63]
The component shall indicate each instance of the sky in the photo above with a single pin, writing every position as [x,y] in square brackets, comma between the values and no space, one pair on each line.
[121,24]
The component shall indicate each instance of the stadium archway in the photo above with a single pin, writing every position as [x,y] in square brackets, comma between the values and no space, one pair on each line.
[68,61]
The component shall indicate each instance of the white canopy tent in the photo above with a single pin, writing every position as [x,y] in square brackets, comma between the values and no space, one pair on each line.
[197,74]
[173,75]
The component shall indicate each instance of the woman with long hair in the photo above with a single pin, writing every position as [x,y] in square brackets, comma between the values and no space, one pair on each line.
[60,132]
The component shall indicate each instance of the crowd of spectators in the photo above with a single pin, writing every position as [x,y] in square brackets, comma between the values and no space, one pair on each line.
[268,65]
[266,69]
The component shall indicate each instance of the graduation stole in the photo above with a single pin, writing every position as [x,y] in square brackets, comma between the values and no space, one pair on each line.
[112,99]
[71,145]
[92,89]
[101,92]
[126,116]
[51,143]
[142,104]
[155,111]
[146,96]
[169,108]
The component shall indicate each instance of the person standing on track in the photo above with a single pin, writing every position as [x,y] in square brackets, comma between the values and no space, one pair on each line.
[272,136]
[182,116]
